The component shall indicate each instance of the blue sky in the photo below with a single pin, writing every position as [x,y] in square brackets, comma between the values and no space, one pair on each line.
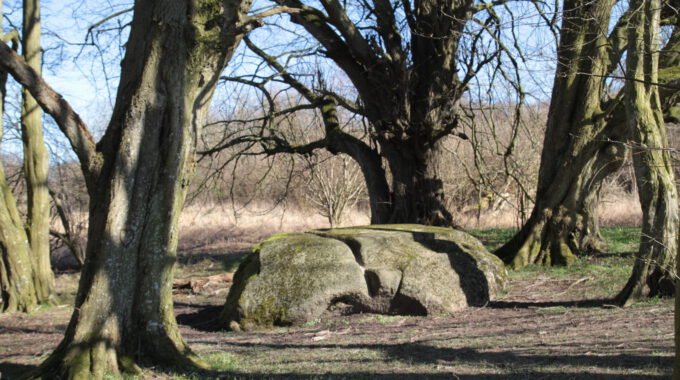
[87,76]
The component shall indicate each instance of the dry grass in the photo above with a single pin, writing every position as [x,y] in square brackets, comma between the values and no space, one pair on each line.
[615,209]
[213,228]
[620,210]
[505,218]
[260,217]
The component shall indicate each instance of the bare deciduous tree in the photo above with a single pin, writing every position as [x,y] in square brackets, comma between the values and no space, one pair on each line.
[36,160]
[137,177]
[335,186]
[17,289]
[653,272]
[409,65]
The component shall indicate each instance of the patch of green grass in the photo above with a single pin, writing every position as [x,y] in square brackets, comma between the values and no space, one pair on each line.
[621,239]
[124,376]
[493,238]
[553,310]
[605,273]
[231,261]
[312,323]
[222,361]
[367,319]
[655,301]
[382,318]
[388,318]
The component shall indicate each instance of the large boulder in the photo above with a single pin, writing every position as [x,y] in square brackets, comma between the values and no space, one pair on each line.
[291,279]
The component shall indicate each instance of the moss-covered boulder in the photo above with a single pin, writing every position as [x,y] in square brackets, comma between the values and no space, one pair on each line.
[290,279]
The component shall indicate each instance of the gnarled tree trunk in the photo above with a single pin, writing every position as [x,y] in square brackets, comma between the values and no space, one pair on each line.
[409,91]
[17,290]
[137,178]
[417,187]
[584,143]
[36,161]
[653,271]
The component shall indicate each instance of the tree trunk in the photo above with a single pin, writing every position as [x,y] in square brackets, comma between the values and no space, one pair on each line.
[676,362]
[409,91]
[582,145]
[137,182]
[376,182]
[653,271]
[588,239]
[36,161]
[417,188]
[17,291]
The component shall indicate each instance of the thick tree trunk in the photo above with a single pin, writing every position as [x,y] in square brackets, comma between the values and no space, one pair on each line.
[676,362]
[581,145]
[653,271]
[36,161]
[410,97]
[588,238]
[124,313]
[417,188]
[17,290]
[562,223]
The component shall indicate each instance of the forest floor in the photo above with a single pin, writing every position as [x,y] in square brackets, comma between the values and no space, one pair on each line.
[552,323]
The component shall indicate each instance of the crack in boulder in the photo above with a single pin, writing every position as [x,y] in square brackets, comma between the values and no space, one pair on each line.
[391,269]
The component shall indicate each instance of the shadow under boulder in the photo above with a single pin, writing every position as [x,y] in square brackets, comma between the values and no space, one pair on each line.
[290,279]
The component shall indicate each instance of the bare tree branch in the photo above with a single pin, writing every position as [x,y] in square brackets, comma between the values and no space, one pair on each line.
[53,103]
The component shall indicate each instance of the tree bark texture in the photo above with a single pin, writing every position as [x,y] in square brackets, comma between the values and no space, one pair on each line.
[584,142]
[676,362]
[36,160]
[137,177]
[653,271]
[409,92]
[17,290]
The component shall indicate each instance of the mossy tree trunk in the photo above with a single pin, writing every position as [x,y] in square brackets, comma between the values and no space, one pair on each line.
[17,290]
[137,177]
[584,142]
[653,271]
[676,363]
[36,160]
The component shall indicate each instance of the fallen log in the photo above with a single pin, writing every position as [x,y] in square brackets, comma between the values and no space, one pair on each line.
[200,284]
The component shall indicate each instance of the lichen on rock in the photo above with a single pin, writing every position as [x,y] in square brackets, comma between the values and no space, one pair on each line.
[291,279]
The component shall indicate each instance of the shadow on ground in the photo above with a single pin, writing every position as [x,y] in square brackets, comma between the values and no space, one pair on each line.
[14,371]
[201,318]
[510,364]
[598,303]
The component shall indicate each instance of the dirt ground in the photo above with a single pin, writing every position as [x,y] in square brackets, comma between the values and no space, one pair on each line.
[547,326]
